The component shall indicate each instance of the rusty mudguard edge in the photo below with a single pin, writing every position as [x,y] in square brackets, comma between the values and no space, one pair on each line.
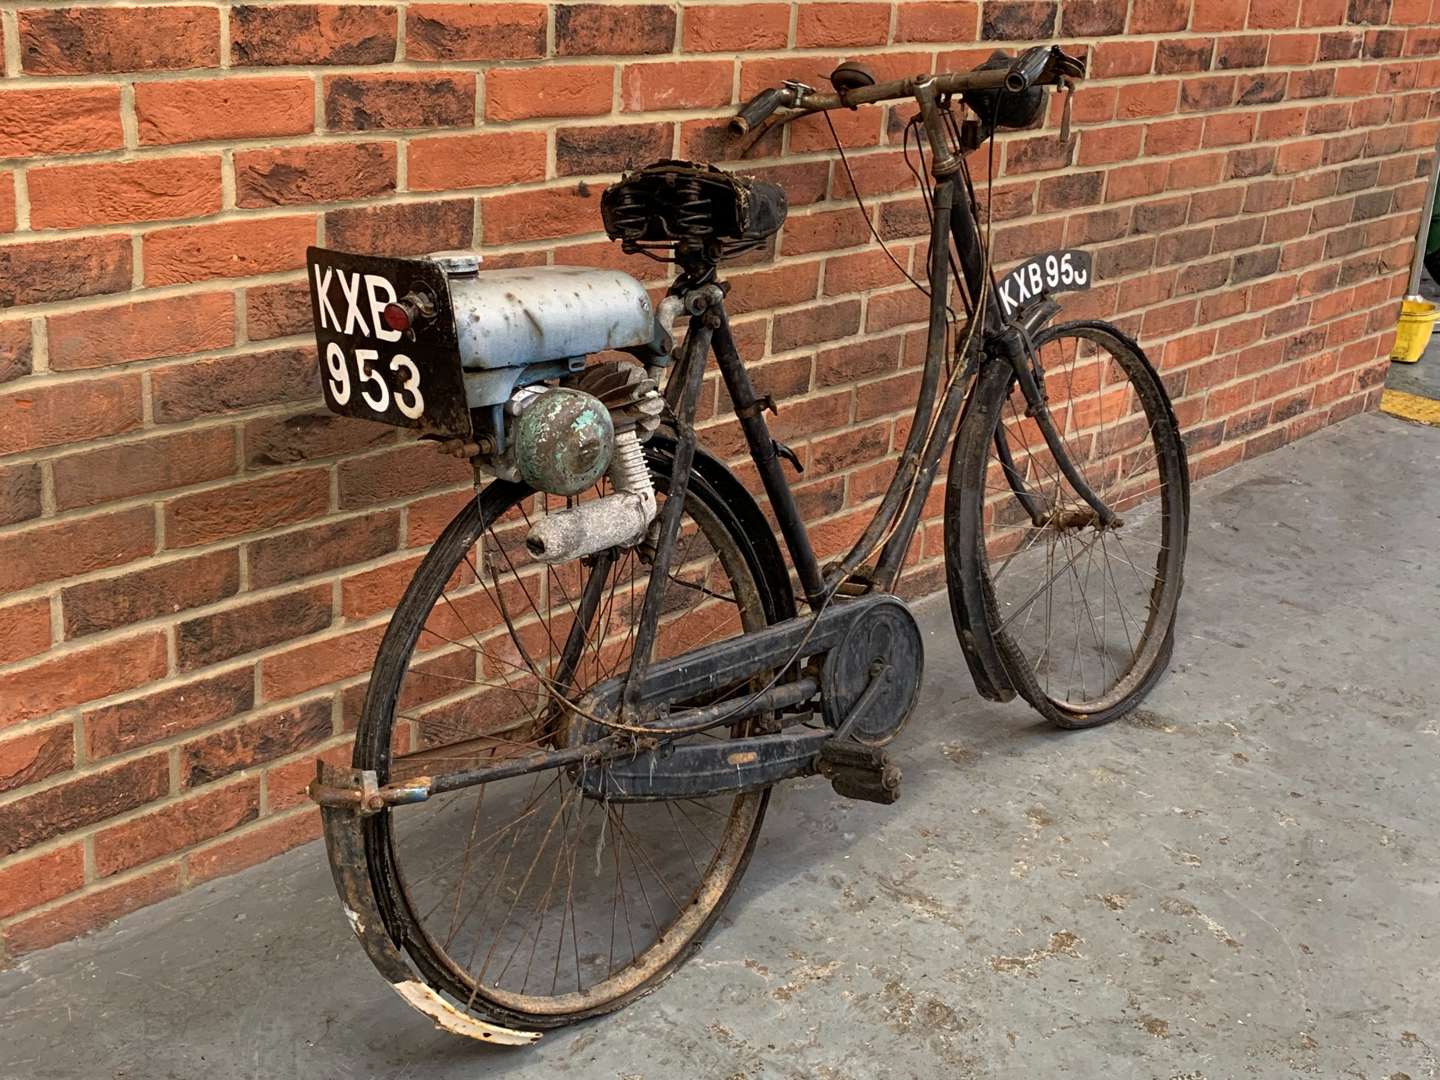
[345,845]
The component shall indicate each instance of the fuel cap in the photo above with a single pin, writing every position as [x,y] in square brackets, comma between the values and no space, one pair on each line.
[456,263]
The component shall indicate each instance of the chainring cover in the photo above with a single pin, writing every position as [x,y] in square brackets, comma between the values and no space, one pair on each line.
[886,637]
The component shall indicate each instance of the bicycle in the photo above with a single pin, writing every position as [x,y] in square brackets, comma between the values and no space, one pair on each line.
[601,669]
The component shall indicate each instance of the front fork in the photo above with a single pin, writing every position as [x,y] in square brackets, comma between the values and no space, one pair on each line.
[1012,344]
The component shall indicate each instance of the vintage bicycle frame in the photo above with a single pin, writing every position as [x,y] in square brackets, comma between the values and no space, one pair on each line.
[894,520]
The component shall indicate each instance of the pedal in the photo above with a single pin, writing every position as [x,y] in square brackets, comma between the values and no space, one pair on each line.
[857,771]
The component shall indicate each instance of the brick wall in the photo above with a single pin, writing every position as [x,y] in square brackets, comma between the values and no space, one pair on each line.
[196,560]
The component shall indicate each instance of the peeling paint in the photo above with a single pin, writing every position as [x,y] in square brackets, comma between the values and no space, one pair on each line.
[446,1016]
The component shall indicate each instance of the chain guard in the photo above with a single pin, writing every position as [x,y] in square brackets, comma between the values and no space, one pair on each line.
[885,645]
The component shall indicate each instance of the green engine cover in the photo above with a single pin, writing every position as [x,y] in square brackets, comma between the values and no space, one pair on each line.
[563,441]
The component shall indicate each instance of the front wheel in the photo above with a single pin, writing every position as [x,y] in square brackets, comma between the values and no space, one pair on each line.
[1081,613]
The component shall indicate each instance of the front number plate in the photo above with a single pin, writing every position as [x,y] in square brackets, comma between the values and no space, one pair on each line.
[1055,271]
[370,371]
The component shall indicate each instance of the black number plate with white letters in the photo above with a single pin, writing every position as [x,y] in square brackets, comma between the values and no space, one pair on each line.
[1053,272]
[410,379]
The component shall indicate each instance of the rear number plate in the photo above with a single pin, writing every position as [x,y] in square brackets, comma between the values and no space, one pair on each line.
[1055,271]
[411,379]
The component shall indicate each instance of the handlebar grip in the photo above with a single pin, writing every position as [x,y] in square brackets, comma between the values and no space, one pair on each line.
[756,111]
[1028,67]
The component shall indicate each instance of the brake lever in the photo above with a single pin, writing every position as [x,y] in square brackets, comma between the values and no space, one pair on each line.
[1070,67]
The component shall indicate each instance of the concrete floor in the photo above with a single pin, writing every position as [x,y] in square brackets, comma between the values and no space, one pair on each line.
[1242,880]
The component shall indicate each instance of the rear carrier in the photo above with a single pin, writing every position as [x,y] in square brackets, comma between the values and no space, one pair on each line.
[495,365]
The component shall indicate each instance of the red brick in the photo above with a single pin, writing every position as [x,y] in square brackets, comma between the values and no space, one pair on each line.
[399,100]
[149,593]
[736,28]
[273,311]
[826,25]
[40,878]
[36,755]
[91,910]
[524,93]
[311,34]
[289,440]
[952,20]
[24,629]
[19,493]
[60,121]
[254,741]
[846,363]
[791,284]
[115,729]
[1087,18]
[254,845]
[682,84]
[209,639]
[16,350]
[94,40]
[317,663]
[48,552]
[68,196]
[1143,99]
[81,675]
[68,412]
[1112,59]
[1158,16]
[228,249]
[397,474]
[613,29]
[141,330]
[234,107]
[136,468]
[487,159]
[45,272]
[265,503]
[176,826]
[211,387]
[315,550]
[834,230]
[373,591]
[325,172]
[7,207]
[1105,145]
[403,228]
[540,215]
[1217,15]
[474,31]
[610,148]
[33,819]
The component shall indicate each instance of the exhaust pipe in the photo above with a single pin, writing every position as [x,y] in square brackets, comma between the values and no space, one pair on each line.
[616,520]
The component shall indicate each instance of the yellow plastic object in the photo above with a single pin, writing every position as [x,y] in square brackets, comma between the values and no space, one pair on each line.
[1417,321]
[1412,407]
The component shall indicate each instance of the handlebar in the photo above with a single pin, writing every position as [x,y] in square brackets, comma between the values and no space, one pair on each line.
[1037,66]
[1026,69]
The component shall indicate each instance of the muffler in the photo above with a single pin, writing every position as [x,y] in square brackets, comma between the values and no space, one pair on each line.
[615,520]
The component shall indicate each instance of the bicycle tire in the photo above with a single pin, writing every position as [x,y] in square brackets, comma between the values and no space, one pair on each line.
[986,521]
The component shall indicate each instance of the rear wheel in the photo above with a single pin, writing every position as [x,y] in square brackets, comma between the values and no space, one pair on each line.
[1082,614]
[527,901]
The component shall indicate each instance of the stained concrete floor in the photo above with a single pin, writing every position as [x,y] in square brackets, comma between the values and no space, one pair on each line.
[1242,880]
